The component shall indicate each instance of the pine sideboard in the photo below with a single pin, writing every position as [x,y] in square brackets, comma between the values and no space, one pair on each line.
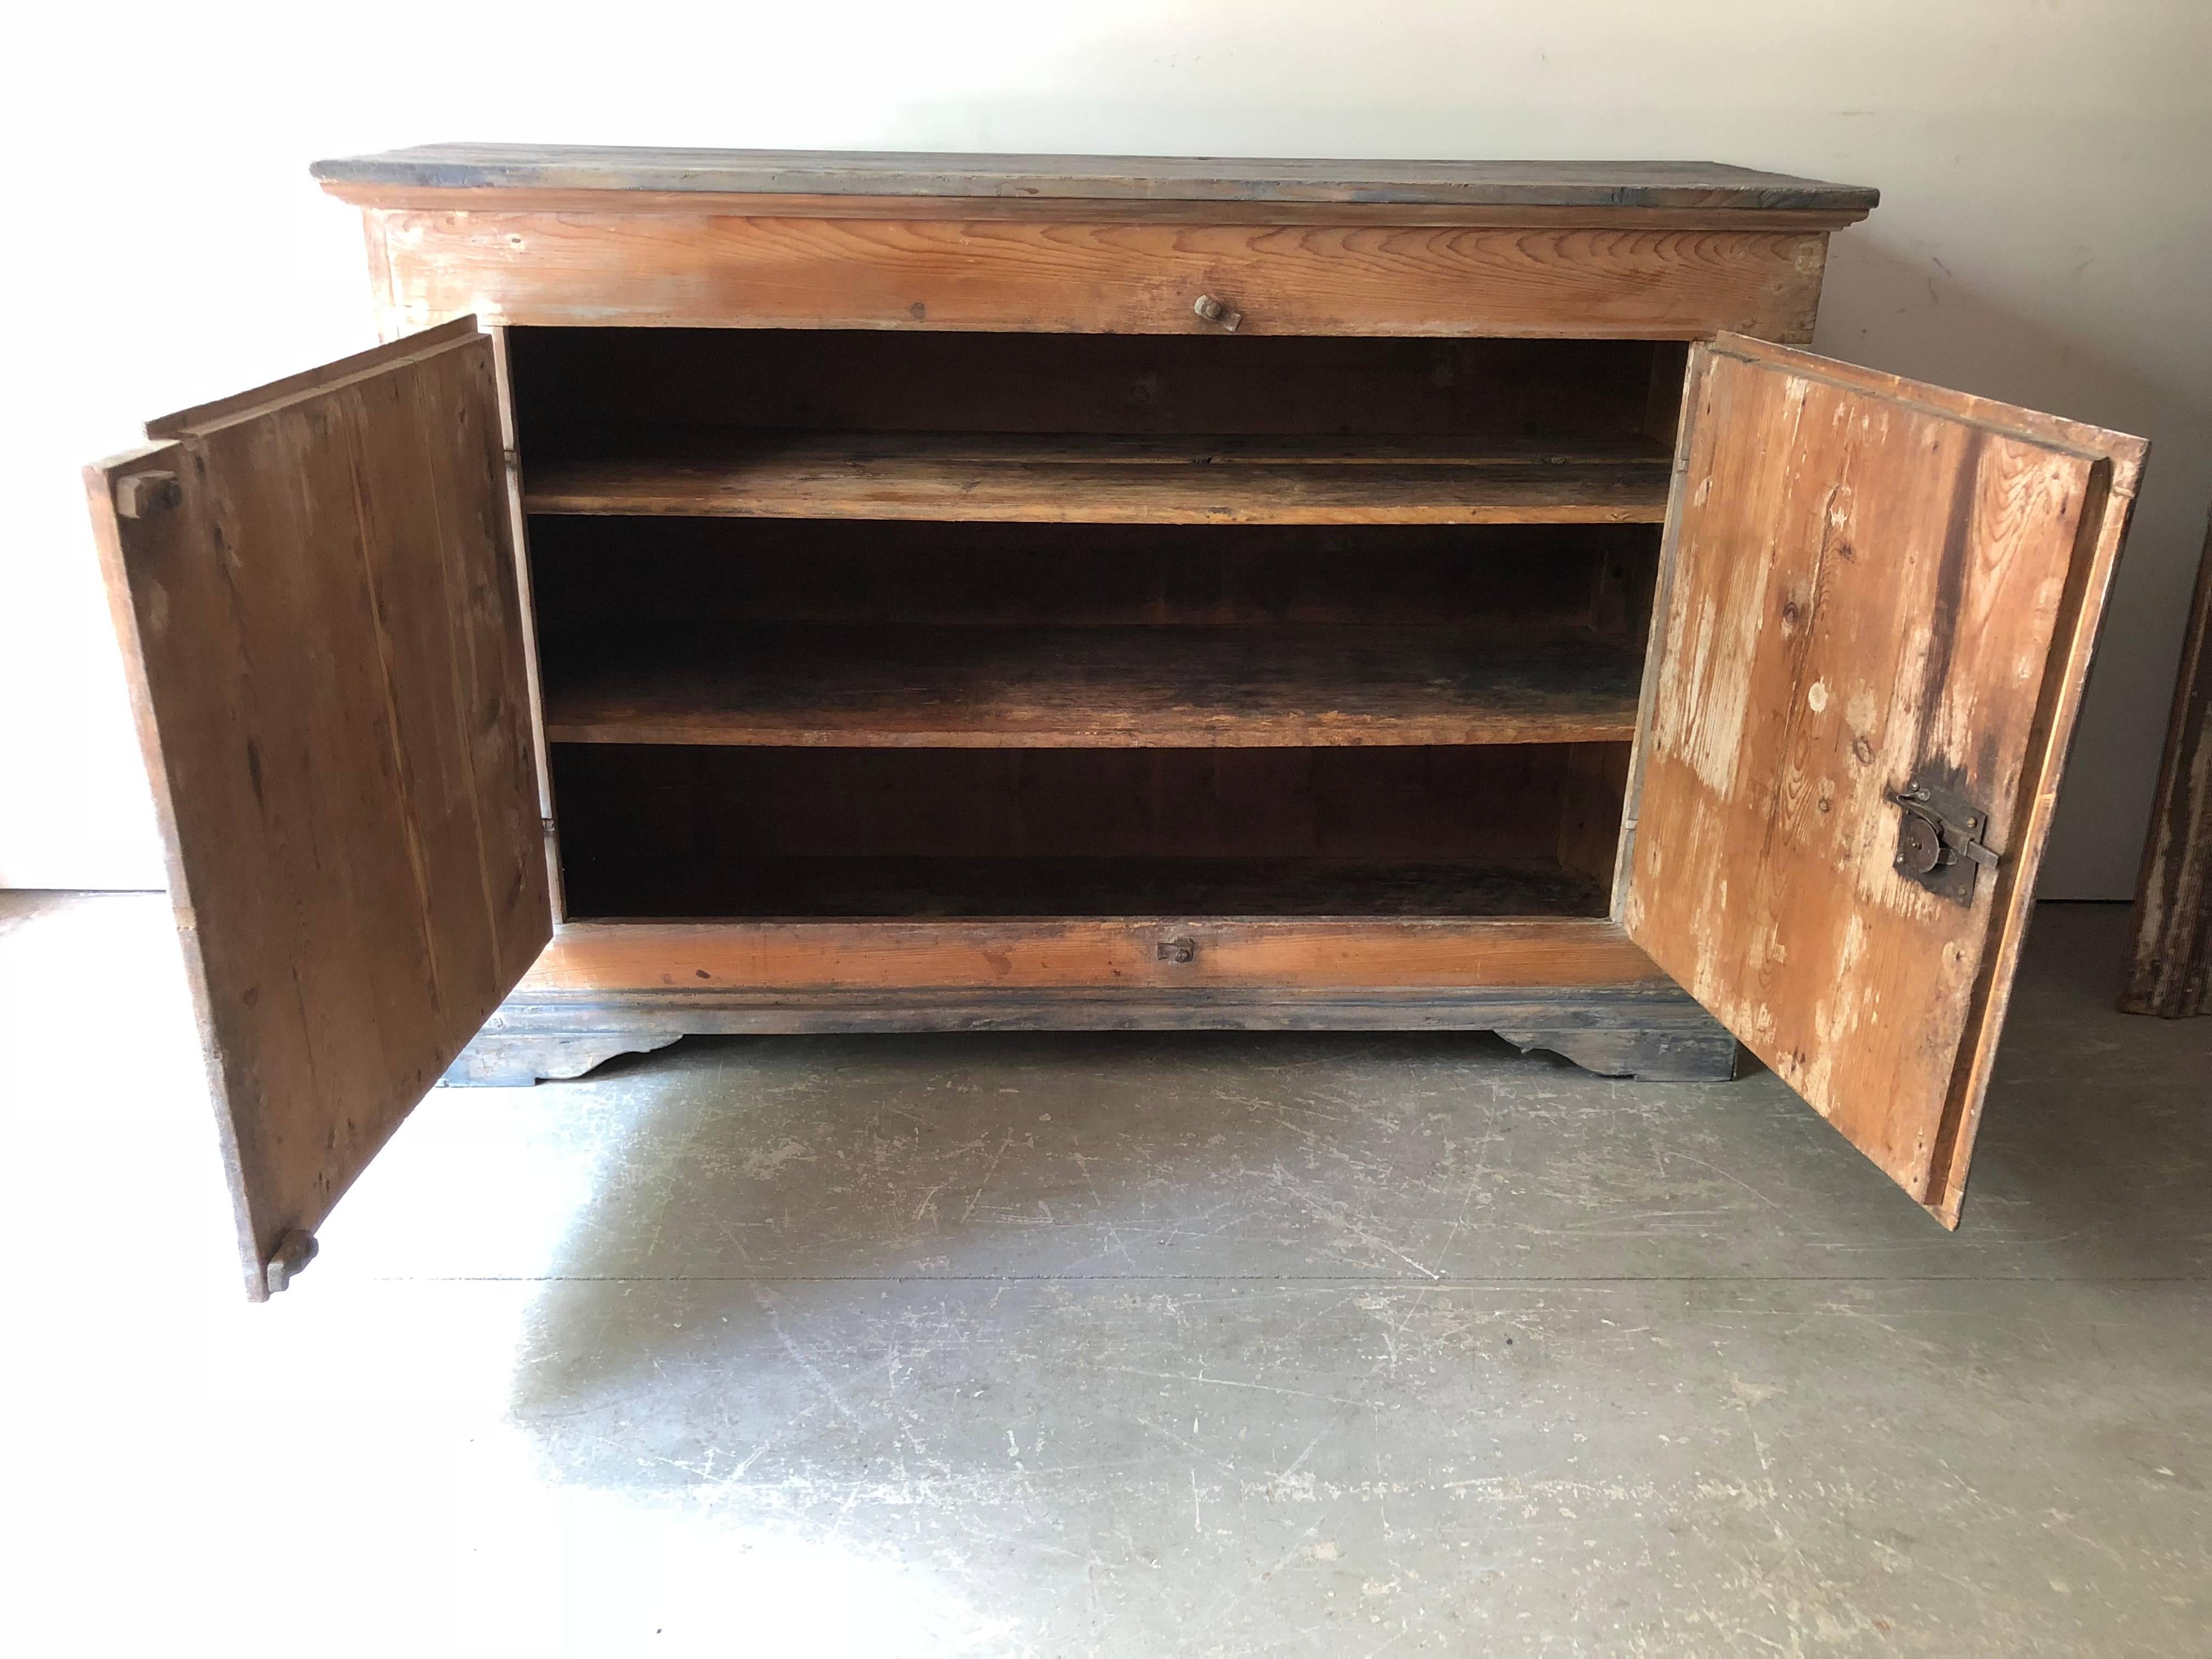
[758,592]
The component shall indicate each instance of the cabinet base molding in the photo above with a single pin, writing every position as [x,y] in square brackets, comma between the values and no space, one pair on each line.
[1658,1036]
[1655,1057]
[496,1060]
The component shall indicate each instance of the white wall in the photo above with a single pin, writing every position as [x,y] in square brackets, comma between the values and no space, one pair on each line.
[2045,237]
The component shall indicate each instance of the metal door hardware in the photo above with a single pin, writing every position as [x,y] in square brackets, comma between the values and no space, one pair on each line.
[1939,839]
[1217,310]
[1178,949]
[293,1252]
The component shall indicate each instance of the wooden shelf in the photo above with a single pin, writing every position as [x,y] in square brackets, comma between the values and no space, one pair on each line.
[1107,687]
[851,889]
[1023,478]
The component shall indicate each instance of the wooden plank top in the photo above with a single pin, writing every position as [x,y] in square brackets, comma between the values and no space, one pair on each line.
[919,174]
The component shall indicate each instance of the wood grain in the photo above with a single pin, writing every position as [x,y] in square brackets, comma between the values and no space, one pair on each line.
[2170,968]
[797,204]
[1871,581]
[1142,688]
[1597,281]
[1010,478]
[517,530]
[325,657]
[1648,1029]
[1028,178]
[737,963]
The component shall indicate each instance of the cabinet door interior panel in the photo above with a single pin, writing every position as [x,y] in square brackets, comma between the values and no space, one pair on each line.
[316,593]
[1875,587]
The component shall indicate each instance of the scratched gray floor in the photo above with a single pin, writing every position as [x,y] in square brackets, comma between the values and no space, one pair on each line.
[1094,1345]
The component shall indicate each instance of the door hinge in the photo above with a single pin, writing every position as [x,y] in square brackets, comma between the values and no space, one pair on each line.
[293,1252]
[1939,839]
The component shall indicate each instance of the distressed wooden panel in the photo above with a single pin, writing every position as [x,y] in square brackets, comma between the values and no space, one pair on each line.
[993,478]
[1592,281]
[322,633]
[1870,581]
[2170,968]
[1129,688]
[1148,178]
[740,963]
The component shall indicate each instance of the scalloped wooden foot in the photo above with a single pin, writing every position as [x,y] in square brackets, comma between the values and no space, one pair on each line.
[1651,1056]
[493,1061]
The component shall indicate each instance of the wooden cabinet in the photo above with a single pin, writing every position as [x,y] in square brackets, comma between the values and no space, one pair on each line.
[780,593]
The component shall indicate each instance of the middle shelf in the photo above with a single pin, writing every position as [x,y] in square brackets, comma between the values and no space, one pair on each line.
[1151,687]
[1088,478]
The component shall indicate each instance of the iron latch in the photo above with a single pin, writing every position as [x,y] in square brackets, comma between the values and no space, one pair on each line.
[1939,839]
[1217,310]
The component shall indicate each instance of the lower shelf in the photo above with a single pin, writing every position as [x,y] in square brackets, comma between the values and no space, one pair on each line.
[893,888]
[760,962]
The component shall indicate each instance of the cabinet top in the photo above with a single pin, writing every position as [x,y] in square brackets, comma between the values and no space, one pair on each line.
[1163,178]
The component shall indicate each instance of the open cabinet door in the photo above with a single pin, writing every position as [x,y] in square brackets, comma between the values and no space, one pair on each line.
[1878,602]
[315,590]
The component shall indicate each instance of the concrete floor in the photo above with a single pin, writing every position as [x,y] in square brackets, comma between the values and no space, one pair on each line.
[1109,1345]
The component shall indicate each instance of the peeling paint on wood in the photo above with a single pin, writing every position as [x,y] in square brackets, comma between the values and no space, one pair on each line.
[1873,581]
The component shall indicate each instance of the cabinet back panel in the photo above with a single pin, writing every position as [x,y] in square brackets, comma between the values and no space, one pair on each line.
[1488,801]
[598,579]
[1513,391]
[650,829]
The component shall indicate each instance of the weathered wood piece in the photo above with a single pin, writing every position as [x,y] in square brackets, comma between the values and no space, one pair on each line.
[643,985]
[2170,969]
[527,263]
[320,626]
[1011,478]
[738,964]
[1137,687]
[1872,584]
[1148,178]
[499,1060]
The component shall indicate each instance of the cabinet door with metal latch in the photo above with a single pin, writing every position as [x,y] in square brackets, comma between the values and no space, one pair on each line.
[315,590]
[1877,606]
